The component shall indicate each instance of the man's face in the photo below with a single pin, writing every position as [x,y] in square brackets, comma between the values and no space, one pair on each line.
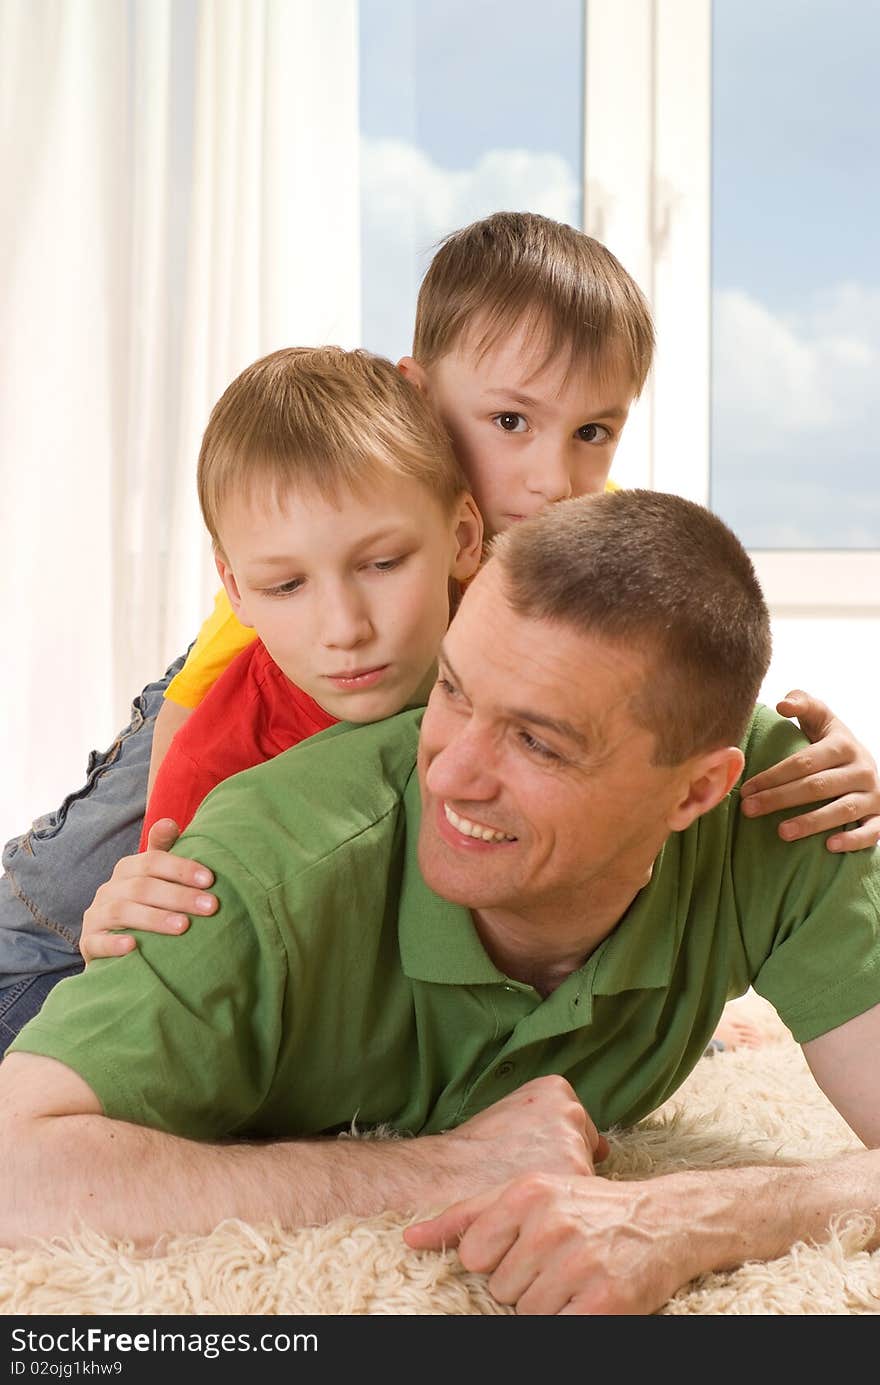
[537,783]
[527,437]
[351,600]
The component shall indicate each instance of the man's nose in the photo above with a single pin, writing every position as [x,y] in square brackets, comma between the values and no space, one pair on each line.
[549,473]
[345,618]
[464,769]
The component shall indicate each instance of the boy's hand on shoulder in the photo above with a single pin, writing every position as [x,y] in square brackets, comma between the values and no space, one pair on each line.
[836,766]
[153,891]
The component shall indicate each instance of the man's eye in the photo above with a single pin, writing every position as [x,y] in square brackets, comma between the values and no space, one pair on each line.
[511,423]
[593,432]
[537,747]
[447,687]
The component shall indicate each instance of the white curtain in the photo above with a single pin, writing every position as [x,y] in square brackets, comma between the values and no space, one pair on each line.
[179,187]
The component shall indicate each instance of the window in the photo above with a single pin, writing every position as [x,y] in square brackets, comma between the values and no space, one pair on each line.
[726,154]
[795,275]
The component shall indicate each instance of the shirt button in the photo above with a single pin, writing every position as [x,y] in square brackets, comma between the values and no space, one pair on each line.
[504,1069]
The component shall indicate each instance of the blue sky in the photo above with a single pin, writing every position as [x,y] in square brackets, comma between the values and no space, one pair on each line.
[463,76]
[795,211]
[796,146]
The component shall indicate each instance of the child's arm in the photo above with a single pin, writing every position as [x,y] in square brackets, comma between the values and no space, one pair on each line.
[153,890]
[836,766]
[170,719]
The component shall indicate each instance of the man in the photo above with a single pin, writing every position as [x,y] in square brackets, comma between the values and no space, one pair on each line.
[531,938]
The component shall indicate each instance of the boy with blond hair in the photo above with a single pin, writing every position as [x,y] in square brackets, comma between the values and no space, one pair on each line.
[531,343]
[341,523]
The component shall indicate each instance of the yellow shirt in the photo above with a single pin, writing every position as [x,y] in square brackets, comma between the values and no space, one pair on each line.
[221,637]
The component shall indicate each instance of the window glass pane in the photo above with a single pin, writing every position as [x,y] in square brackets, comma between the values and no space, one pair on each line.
[466,108]
[796,271]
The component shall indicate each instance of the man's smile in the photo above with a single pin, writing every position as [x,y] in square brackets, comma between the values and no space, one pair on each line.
[477,831]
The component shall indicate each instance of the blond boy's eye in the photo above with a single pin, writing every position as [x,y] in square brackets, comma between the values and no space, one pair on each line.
[511,423]
[593,432]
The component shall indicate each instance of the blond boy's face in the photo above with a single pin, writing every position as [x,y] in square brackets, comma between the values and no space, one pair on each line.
[525,436]
[351,600]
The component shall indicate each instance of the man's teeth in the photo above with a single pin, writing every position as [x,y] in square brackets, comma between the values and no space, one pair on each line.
[475,829]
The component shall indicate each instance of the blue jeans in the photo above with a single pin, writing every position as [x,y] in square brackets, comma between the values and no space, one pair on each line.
[51,874]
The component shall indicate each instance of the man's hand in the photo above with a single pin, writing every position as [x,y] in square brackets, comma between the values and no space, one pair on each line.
[836,766]
[540,1128]
[153,891]
[556,1244]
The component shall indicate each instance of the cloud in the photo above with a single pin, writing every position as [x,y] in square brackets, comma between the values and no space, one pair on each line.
[792,373]
[408,203]
[793,452]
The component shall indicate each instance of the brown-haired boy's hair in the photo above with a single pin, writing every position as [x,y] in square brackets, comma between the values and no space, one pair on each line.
[325,419]
[656,572]
[516,269]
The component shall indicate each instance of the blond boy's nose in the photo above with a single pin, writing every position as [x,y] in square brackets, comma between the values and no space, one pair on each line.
[346,623]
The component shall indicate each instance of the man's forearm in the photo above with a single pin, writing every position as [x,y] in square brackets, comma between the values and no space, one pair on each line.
[127,1181]
[725,1217]
[133,1182]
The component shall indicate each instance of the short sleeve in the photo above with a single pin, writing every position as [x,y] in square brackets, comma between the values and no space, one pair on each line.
[182,1034]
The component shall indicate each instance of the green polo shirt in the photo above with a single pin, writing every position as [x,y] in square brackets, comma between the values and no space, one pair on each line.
[333,986]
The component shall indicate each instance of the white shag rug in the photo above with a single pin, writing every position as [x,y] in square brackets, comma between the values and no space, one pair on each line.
[738,1107]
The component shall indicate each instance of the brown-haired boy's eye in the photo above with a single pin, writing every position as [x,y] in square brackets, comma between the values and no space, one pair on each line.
[510,422]
[593,432]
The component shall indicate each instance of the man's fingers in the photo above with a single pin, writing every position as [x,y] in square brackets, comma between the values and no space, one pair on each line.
[448,1226]
[602,1150]
[484,1230]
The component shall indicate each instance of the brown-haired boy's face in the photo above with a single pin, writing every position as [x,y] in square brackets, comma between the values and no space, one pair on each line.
[526,434]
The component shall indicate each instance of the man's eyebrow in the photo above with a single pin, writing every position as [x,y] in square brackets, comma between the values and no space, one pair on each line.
[555,724]
[561,728]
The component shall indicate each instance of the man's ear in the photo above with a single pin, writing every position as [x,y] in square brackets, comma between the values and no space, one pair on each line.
[468,539]
[710,778]
[415,373]
[227,577]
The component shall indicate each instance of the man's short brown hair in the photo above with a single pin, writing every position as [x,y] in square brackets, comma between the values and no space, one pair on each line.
[516,269]
[654,572]
[324,419]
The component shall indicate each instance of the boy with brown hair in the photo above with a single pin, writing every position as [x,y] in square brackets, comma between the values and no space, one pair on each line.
[531,343]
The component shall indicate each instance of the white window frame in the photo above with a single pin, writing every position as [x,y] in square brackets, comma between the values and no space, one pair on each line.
[647,195]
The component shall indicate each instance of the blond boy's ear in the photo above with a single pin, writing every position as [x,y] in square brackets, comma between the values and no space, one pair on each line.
[227,577]
[415,373]
[710,778]
[468,539]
